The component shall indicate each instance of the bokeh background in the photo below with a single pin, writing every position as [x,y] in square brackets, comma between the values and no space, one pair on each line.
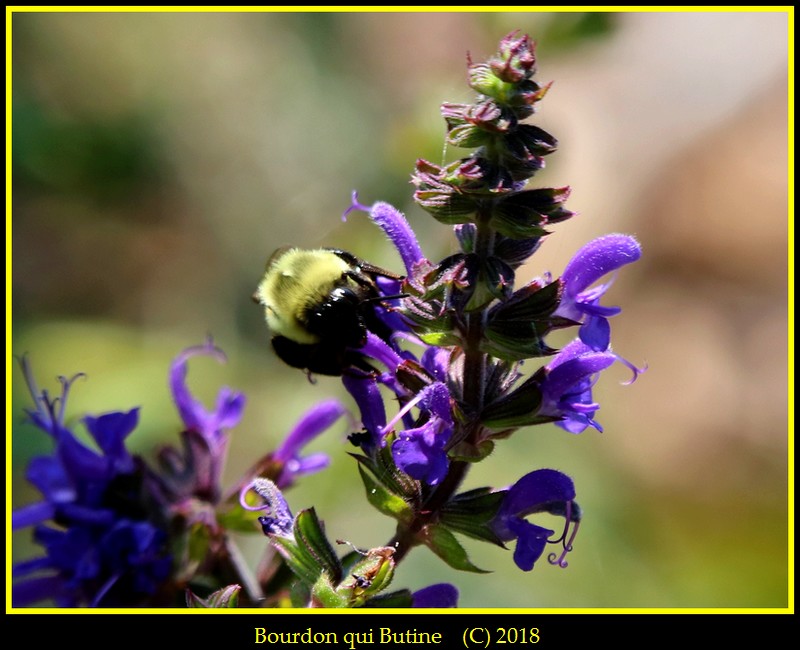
[158,159]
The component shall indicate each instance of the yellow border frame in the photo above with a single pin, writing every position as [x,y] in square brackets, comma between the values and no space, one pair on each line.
[789,10]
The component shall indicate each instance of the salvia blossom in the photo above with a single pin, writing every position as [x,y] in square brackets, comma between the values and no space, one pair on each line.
[544,490]
[580,301]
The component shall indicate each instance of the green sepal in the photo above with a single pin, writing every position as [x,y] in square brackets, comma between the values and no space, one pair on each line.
[468,136]
[227,597]
[384,472]
[470,513]
[309,554]
[534,302]
[483,80]
[516,409]
[494,281]
[507,346]
[323,594]
[470,453]
[445,545]
[309,531]
[521,215]
[384,501]
[190,549]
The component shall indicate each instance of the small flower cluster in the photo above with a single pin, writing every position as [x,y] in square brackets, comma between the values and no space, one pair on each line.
[438,364]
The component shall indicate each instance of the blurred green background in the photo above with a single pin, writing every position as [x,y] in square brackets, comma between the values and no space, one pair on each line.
[159,158]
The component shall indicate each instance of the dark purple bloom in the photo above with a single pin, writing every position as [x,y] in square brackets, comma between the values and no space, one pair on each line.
[581,303]
[439,595]
[544,490]
[101,549]
[313,423]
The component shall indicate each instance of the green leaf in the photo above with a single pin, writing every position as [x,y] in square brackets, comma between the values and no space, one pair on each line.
[444,544]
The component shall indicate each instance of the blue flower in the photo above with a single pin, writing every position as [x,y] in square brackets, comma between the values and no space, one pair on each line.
[101,547]
[440,595]
[544,490]
[581,303]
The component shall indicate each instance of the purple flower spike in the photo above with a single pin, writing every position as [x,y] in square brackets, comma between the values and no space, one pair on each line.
[581,303]
[367,396]
[230,404]
[394,224]
[439,596]
[312,424]
[567,386]
[544,490]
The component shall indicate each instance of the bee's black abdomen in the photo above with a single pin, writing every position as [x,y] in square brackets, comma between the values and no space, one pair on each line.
[338,321]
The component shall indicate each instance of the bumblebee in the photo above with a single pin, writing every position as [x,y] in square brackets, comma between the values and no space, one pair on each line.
[319,305]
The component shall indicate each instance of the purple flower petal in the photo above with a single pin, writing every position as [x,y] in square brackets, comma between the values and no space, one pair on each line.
[32,515]
[538,488]
[369,400]
[543,490]
[312,424]
[581,303]
[531,542]
[110,431]
[567,386]
[597,258]
[230,404]
[439,596]
[420,452]
[394,224]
